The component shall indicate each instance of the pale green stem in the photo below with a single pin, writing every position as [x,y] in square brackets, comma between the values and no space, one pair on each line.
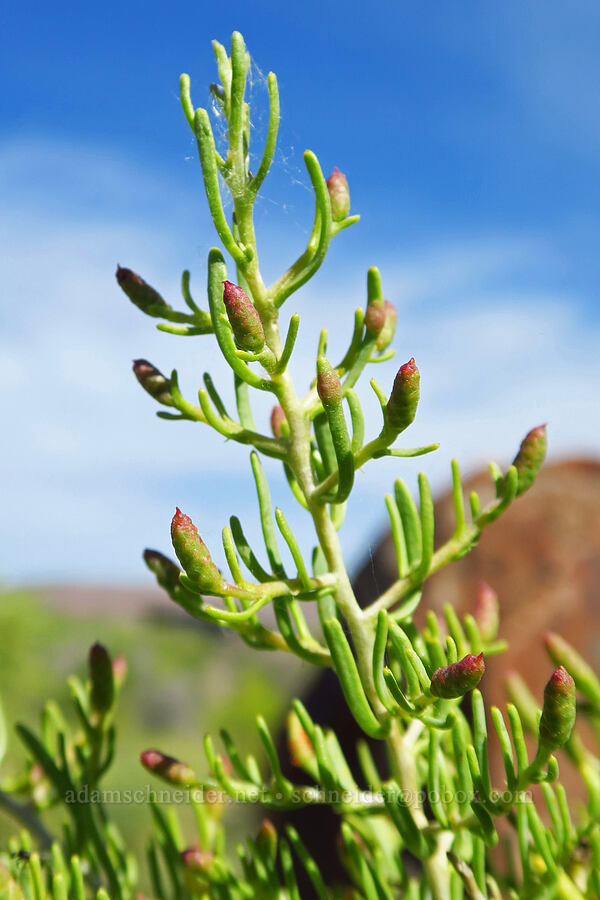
[299,461]
[362,633]
[405,771]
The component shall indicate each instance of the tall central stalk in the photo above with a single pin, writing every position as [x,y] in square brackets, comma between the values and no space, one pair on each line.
[361,629]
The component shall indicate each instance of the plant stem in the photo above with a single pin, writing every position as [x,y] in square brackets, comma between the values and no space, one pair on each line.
[361,626]
[405,772]
[361,632]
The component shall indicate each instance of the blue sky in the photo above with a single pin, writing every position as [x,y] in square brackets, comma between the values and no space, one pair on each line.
[471,139]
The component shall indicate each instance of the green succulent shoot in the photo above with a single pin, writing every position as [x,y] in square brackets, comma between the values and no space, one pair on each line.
[419,819]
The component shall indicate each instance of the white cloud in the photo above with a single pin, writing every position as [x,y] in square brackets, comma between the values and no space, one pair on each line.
[91,476]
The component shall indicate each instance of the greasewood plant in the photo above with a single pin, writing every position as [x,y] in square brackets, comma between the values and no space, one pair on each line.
[422,828]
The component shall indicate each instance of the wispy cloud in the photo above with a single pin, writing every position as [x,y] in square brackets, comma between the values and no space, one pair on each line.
[91,475]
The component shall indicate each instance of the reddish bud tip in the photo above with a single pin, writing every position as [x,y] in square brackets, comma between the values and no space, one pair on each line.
[560,681]
[140,293]
[198,870]
[153,381]
[102,682]
[402,406]
[167,767]
[386,335]
[167,573]
[299,743]
[457,679]
[375,317]
[193,555]
[563,654]
[339,195]
[194,858]
[150,759]
[329,386]
[266,839]
[487,611]
[124,275]
[245,321]
[530,457]
[119,666]
[559,710]
[266,828]
[182,526]
[279,423]
[36,774]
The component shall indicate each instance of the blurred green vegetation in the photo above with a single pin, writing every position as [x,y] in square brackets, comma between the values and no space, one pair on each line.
[184,679]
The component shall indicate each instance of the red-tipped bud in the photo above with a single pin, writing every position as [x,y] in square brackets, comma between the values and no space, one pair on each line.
[266,840]
[119,666]
[245,321]
[227,764]
[279,423]
[563,654]
[153,381]
[194,858]
[36,774]
[102,680]
[301,749]
[193,555]
[202,871]
[329,386]
[375,317]
[168,768]
[530,457]
[455,680]
[386,335]
[402,406]
[339,195]
[558,711]
[487,611]
[167,573]
[140,293]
